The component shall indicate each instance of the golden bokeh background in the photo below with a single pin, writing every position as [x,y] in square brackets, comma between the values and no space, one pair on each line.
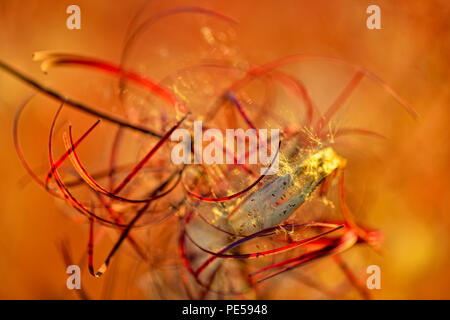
[411,53]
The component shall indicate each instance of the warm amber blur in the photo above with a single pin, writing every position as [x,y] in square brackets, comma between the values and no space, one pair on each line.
[408,192]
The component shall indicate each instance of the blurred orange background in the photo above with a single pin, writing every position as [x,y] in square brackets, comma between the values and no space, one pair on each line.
[411,53]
